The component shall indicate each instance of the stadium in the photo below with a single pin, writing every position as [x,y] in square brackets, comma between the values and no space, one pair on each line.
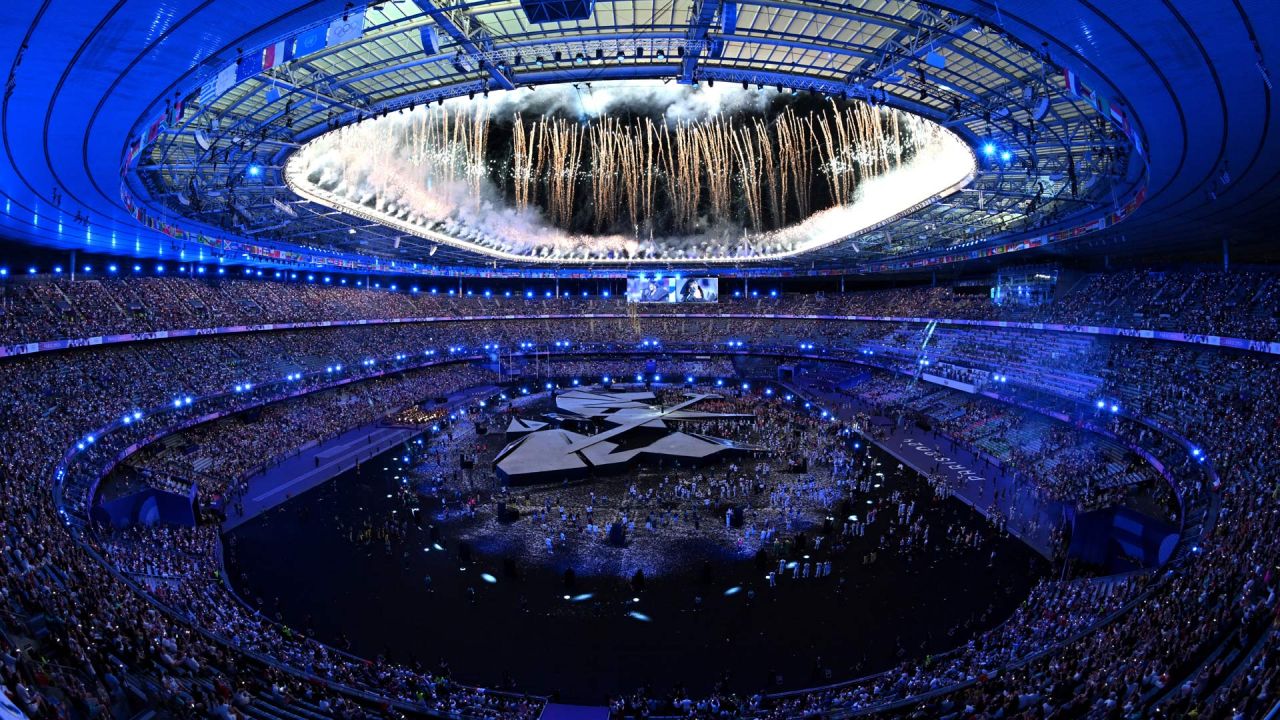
[590,359]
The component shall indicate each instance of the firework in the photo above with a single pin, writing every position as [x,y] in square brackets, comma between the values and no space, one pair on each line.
[722,172]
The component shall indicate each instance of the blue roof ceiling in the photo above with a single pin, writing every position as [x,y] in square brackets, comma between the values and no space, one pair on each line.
[84,74]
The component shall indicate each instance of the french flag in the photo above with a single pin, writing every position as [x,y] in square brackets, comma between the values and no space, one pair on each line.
[1070,81]
[278,54]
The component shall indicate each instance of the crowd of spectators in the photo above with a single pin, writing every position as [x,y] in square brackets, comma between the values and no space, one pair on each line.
[626,370]
[1050,459]
[1238,304]
[219,454]
[1194,638]
[121,646]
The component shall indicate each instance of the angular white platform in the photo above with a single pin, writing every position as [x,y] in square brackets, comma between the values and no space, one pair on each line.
[641,430]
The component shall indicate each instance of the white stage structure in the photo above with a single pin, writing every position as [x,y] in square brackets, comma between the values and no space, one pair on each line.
[640,430]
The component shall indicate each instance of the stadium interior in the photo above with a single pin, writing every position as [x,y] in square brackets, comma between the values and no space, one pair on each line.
[591,359]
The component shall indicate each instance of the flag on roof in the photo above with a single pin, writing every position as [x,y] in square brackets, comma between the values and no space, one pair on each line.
[277,54]
[217,85]
[1120,117]
[311,41]
[346,28]
[1102,105]
[153,130]
[248,66]
[1070,81]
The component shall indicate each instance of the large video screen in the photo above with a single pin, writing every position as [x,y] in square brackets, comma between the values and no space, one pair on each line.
[673,290]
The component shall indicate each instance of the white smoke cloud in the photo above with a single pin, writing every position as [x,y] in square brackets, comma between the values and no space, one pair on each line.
[584,101]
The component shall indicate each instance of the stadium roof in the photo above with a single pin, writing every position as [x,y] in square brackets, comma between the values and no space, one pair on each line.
[1161,113]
